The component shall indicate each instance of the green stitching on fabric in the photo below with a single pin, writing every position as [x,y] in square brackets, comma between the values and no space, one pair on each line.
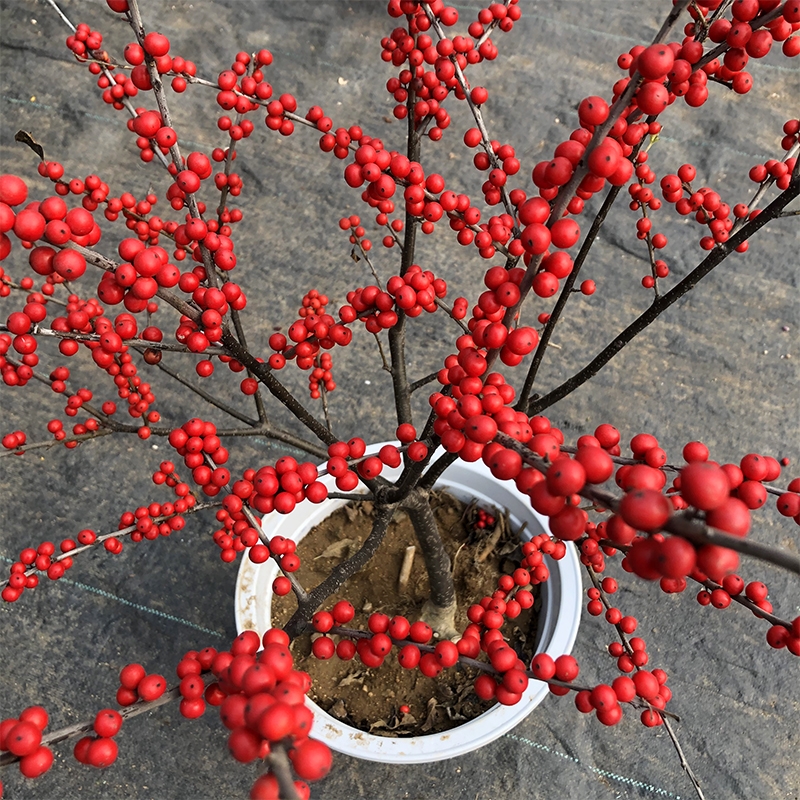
[138,606]
[655,790]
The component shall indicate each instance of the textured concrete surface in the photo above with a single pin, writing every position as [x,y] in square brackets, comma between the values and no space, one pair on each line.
[716,367]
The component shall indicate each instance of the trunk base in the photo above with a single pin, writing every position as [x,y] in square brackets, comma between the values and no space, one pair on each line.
[441,618]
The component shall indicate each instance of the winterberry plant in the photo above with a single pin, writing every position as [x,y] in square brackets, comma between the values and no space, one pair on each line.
[110,291]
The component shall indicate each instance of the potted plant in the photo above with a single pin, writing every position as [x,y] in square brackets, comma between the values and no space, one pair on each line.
[557,626]
[172,285]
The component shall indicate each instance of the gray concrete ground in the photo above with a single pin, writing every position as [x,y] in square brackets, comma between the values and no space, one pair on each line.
[717,366]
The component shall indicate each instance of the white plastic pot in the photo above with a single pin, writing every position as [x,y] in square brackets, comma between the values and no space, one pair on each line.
[558,620]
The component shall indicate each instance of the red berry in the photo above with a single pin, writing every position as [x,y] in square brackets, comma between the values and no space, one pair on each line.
[151,687]
[102,753]
[107,722]
[131,675]
[311,760]
[23,739]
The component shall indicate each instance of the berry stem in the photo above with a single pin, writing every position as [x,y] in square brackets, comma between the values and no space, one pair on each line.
[279,765]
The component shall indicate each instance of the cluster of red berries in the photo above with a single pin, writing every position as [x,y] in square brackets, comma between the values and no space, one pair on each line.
[14,374]
[199,335]
[413,293]
[484,520]
[157,46]
[478,404]
[281,487]
[774,169]
[357,231]
[118,87]
[431,88]
[93,190]
[43,559]
[481,634]
[34,311]
[347,461]
[203,453]
[15,441]
[260,696]
[495,15]
[50,220]
[22,737]
[726,494]
[213,234]
[56,427]
[100,750]
[643,199]
[5,279]
[141,524]
[261,702]
[383,170]
[506,157]
[245,80]
[321,376]
[779,636]
[649,686]
[756,593]
[741,32]
[313,304]
[315,329]
[236,535]
[95,193]
[412,45]
[705,204]
[608,161]
[144,518]
[110,354]
[135,684]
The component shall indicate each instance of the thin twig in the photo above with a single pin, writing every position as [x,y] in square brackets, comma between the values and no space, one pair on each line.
[661,712]
[129,712]
[209,398]
[418,384]
[684,763]
[384,362]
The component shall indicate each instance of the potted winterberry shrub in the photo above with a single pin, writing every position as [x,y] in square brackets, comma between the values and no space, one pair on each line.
[472,303]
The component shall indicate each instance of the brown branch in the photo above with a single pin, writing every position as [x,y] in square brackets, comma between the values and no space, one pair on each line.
[117,535]
[264,374]
[129,712]
[746,602]
[692,530]
[712,260]
[566,293]
[397,333]
[209,398]
[299,620]
[419,383]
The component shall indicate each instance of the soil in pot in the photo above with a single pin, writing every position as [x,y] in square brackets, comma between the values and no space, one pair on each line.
[370,699]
